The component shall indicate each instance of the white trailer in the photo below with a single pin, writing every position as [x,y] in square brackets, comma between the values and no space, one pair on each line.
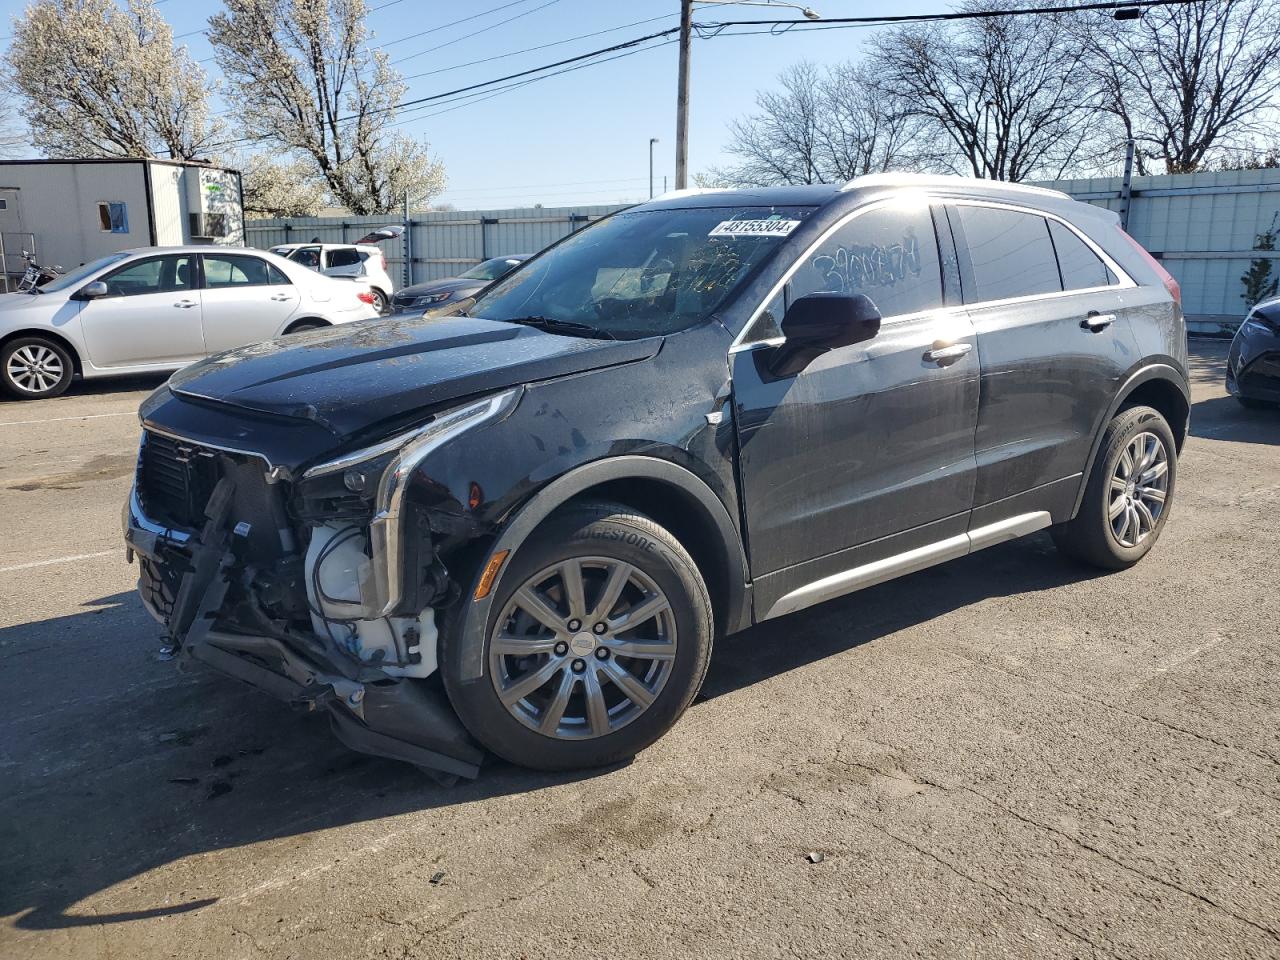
[69,212]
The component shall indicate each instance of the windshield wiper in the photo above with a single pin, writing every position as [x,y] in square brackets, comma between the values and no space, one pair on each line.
[551,325]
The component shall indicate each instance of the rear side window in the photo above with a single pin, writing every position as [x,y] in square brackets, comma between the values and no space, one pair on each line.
[890,254]
[1010,252]
[344,257]
[1081,268]
[230,270]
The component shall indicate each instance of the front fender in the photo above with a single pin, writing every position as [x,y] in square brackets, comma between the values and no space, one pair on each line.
[473,614]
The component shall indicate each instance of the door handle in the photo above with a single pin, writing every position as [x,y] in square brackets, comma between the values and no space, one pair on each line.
[1098,321]
[184,304]
[945,355]
[282,296]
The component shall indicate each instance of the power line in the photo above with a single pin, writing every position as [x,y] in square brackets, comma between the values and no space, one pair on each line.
[707,30]
[476,33]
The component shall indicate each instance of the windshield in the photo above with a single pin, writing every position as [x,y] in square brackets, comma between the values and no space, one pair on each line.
[643,273]
[83,272]
[489,270]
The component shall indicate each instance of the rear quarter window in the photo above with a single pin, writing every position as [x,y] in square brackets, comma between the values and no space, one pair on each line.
[1081,267]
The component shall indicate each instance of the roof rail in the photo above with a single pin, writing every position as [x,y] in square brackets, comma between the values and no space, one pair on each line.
[942,180]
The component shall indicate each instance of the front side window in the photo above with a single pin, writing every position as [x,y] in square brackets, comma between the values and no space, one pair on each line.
[643,273]
[889,253]
[113,217]
[1081,268]
[154,275]
[1010,252]
[232,270]
[82,273]
[307,257]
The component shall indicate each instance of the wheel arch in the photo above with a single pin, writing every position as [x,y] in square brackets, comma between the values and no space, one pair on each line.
[294,324]
[669,493]
[76,362]
[1160,386]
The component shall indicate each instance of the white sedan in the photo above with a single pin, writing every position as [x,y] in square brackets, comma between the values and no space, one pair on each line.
[156,309]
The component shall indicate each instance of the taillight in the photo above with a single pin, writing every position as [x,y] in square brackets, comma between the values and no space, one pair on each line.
[366,296]
[1166,278]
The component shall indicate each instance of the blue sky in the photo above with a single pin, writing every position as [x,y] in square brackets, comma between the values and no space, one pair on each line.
[582,137]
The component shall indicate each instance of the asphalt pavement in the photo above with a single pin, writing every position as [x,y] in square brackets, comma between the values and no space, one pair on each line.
[1005,756]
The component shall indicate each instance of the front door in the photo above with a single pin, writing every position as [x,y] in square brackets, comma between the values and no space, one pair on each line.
[245,299]
[868,450]
[151,315]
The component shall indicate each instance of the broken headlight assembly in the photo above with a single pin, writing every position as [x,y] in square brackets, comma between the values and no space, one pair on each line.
[369,485]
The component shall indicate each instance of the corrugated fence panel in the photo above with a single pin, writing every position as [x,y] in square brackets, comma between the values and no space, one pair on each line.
[1202,226]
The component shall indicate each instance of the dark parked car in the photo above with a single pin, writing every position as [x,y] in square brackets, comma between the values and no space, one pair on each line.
[435,293]
[696,415]
[1253,365]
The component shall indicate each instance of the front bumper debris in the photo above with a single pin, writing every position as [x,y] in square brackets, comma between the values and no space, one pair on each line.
[185,578]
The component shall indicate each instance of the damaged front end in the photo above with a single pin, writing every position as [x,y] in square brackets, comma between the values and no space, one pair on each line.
[322,589]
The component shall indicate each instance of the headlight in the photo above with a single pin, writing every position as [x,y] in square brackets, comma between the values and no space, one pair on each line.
[363,469]
[390,464]
[433,298]
[1255,324]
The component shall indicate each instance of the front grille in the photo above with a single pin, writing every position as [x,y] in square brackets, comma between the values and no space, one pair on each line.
[176,480]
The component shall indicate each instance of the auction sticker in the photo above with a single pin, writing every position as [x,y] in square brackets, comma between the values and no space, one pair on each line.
[753,228]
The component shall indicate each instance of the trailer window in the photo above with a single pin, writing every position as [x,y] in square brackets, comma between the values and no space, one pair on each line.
[113,217]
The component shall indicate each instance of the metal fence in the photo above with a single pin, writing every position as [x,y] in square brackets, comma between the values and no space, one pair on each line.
[1201,226]
[437,244]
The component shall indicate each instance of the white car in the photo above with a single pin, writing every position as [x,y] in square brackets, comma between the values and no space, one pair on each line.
[156,309]
[345,260]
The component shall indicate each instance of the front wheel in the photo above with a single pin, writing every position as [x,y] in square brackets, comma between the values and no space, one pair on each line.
[598,641]
[34,368]
[1130,490]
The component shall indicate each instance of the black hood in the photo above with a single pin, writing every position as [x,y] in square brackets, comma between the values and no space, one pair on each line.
[449,285]
[353,377]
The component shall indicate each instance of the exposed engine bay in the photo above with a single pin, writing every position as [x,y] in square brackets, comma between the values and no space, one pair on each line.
[275,582]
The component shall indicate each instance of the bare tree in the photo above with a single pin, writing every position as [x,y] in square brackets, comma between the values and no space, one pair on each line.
[1190,80]
[305,81]
[94,80]
[820,126]
[1008,93]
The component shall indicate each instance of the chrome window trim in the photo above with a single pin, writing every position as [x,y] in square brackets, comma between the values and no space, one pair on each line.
[1126,282]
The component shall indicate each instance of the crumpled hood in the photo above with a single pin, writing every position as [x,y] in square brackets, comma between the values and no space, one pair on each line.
[351,377]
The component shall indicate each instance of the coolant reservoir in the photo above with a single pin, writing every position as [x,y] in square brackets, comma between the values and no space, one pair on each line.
[338,574]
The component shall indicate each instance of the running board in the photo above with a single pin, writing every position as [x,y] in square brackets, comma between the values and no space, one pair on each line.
[869,574]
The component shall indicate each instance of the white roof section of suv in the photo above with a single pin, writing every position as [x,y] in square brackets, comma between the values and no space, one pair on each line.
[923,180]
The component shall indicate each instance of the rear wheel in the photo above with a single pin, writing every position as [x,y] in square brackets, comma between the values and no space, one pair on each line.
[303,325]
[33,368]
[599,639]
[379,302]
[1129,493]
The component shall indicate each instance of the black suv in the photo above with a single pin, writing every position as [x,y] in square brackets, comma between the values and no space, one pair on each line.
[532,515]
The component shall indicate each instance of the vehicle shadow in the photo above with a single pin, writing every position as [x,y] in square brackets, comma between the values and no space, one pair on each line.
[117,764]
[101,387]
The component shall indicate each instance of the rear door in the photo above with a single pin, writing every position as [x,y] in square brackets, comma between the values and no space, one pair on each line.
[869,442]
[1053,342]
[151,314]
[246,299]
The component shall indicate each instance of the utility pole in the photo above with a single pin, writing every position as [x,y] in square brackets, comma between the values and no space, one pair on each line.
[652,141]
[682,96]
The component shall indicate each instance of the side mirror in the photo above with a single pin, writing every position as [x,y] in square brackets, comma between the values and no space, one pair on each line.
[93,291]
[820,322]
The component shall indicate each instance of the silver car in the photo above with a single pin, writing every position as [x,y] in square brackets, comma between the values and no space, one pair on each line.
[157,309]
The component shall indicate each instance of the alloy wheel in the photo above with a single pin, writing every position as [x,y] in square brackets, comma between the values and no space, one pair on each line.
[1139,488]
[583,648]
[35,368]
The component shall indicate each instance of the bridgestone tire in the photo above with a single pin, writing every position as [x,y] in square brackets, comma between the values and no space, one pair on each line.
[592,530]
